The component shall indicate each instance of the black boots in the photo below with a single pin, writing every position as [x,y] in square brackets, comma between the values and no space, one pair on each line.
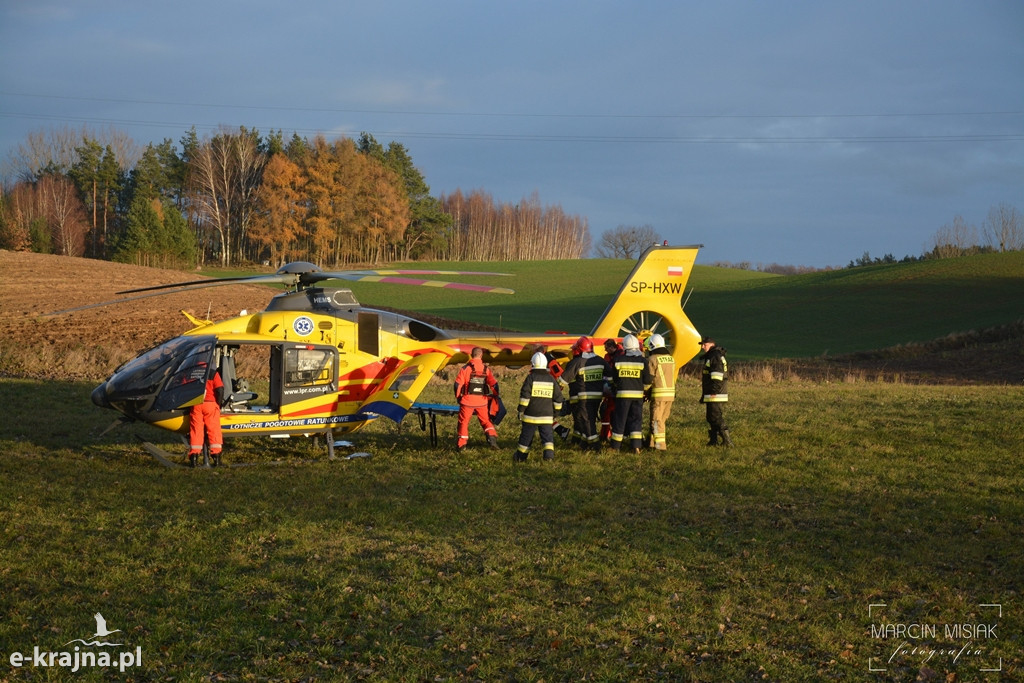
[714,433]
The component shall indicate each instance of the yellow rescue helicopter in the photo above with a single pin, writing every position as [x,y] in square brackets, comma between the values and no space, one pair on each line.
[335,365]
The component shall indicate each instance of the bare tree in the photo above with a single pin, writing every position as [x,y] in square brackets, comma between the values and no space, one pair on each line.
[484,230]
[627,241]
[19,209]
[54,150]
[1004,228]
[954,240]
[65,214]
[223,176]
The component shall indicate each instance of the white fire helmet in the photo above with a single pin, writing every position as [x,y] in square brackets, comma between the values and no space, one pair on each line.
[655,341]
[539,361]
[630,343]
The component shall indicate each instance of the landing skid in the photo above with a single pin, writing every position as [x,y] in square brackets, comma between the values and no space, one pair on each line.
[173,461]
[162,456]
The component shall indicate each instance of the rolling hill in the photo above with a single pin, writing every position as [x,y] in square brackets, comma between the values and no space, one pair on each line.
[757,314]
[840,315]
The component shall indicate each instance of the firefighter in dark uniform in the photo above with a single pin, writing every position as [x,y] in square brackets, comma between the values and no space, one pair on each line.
[556,370]
[585,376]
[662,366]
[474,387]
[631,379]
[540,399]
[714,390]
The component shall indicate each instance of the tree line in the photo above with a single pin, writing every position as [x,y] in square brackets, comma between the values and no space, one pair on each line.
[1002,230]
[240,197]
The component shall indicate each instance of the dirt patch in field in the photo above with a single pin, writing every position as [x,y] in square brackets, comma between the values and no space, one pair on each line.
[89,343]
[35,285]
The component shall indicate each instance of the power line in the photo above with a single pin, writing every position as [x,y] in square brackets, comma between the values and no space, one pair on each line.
[566,138]
[724,139]
[341,110]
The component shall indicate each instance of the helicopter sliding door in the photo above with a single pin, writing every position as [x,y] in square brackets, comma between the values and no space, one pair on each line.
[244,369]
[307,371]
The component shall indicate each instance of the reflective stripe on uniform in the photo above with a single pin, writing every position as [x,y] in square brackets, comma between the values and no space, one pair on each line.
[629,394]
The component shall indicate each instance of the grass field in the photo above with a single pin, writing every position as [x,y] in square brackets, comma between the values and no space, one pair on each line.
[853,532]
[756,315]
[760,562]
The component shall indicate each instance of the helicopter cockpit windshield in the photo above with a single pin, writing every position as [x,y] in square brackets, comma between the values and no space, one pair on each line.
[162,379]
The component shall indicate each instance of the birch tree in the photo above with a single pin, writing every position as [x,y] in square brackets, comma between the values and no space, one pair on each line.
[65,214]
[1004,228]
[223,176]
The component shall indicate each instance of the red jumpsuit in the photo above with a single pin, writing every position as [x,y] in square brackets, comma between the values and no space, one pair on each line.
[608,402]
[473,386]
[206,414]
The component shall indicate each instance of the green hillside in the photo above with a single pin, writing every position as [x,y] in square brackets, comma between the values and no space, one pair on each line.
[861,308]
[755,315]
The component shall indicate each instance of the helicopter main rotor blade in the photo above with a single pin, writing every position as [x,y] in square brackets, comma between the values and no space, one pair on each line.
[306,274]
[301,275]
[419,272]
[370,276]
[275,279]
[162,291]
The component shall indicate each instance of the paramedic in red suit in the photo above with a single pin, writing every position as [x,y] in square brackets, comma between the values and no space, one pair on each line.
[474,385]
[204,421]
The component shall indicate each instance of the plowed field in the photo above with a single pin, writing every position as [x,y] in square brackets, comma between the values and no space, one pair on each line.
[34,285]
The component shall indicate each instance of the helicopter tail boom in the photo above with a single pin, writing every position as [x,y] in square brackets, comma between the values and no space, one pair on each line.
[649,301]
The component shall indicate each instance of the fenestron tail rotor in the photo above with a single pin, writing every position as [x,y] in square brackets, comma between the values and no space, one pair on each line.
[643,324]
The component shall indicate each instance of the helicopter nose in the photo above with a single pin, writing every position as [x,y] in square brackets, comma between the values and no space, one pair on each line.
[99,396]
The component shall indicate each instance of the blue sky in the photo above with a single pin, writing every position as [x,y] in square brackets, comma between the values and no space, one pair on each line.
[785,132]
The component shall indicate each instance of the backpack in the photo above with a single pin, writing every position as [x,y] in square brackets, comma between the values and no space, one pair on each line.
[477,385]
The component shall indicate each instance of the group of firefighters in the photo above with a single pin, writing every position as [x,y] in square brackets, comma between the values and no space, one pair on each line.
[605,396]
